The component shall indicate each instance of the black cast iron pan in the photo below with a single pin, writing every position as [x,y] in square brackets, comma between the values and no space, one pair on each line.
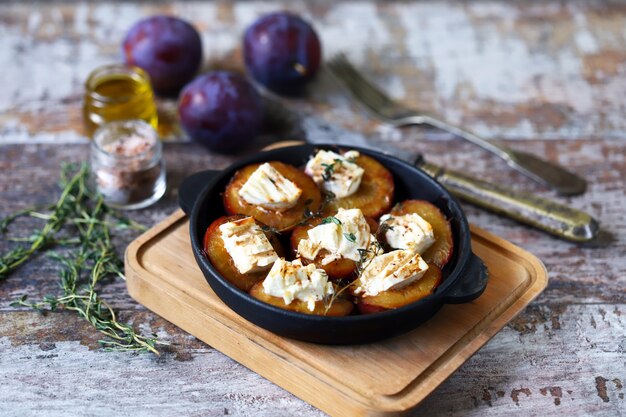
[464,277]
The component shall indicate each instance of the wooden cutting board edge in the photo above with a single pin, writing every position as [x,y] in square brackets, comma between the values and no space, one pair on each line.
[230,340]
[290,374]
[489,326]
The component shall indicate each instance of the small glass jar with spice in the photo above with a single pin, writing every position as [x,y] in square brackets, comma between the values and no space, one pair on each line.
[127,166]
[118,92]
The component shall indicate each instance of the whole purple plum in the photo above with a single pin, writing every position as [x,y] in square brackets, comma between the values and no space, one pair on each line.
[220,110]
[168,48]
[282,52]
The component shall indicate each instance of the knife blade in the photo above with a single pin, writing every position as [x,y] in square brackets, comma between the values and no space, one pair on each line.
[540,170]
[550,216]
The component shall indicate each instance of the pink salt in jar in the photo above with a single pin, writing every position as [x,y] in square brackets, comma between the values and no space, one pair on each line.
[127,165]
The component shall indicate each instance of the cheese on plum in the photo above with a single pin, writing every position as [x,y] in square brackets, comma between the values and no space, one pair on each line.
[409,231]
[336,173]
[343,236]
[294,281]
[269,189]
[247,245]
[393,270]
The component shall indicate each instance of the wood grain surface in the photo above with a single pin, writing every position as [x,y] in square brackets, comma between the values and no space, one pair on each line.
[549,78]
[385,378]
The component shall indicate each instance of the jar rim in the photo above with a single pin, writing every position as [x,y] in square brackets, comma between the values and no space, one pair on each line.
[134,124]
[131,71]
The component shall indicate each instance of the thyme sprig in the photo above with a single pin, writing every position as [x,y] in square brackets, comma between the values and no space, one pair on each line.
[384,226]
[309,214]
[88,261]
[329,170]
[73,193]
[328,301]
[366,255]
[271,229]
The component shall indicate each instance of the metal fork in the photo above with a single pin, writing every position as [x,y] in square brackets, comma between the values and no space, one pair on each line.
[383,107]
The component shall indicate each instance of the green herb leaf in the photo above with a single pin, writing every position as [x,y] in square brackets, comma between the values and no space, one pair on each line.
[331,219]
[350,237]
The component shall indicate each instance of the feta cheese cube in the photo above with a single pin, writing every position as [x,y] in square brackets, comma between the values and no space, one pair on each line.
[344,236]
[409,231]
[269,189]
[391,270]
[247,245]
[336,173]
[293,281]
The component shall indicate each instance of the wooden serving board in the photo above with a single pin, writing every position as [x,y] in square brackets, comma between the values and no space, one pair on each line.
[382,378]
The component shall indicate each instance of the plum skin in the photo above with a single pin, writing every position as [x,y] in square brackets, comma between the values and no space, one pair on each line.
[282,52]
[169,49]
[221,110]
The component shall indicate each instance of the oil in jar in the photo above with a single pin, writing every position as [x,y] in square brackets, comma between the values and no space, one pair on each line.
[118,92]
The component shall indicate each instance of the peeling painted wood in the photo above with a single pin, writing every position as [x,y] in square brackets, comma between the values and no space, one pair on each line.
[549,78]
[571,362]
[504,70]
[575,367]
[122,384]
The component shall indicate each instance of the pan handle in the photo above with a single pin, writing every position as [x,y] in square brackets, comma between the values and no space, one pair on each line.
[471,285]
[191,187]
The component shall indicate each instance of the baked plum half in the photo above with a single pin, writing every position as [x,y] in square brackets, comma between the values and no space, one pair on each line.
[396,298]
[440,252]
[337,269]
[221,259]
[375,194]
[308,202]
[337,306]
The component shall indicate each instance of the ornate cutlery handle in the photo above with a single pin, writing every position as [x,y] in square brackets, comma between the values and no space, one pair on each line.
[552,217]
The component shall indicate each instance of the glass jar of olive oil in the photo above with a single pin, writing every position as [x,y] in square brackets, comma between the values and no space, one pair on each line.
[118,92]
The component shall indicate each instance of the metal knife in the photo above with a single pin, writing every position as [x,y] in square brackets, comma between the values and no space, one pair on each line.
[540,170]
[544,214]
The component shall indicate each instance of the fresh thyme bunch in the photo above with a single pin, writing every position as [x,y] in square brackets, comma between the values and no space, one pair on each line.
[88,260]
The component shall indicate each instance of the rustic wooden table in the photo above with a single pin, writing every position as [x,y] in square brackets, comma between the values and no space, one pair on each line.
[547,78]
